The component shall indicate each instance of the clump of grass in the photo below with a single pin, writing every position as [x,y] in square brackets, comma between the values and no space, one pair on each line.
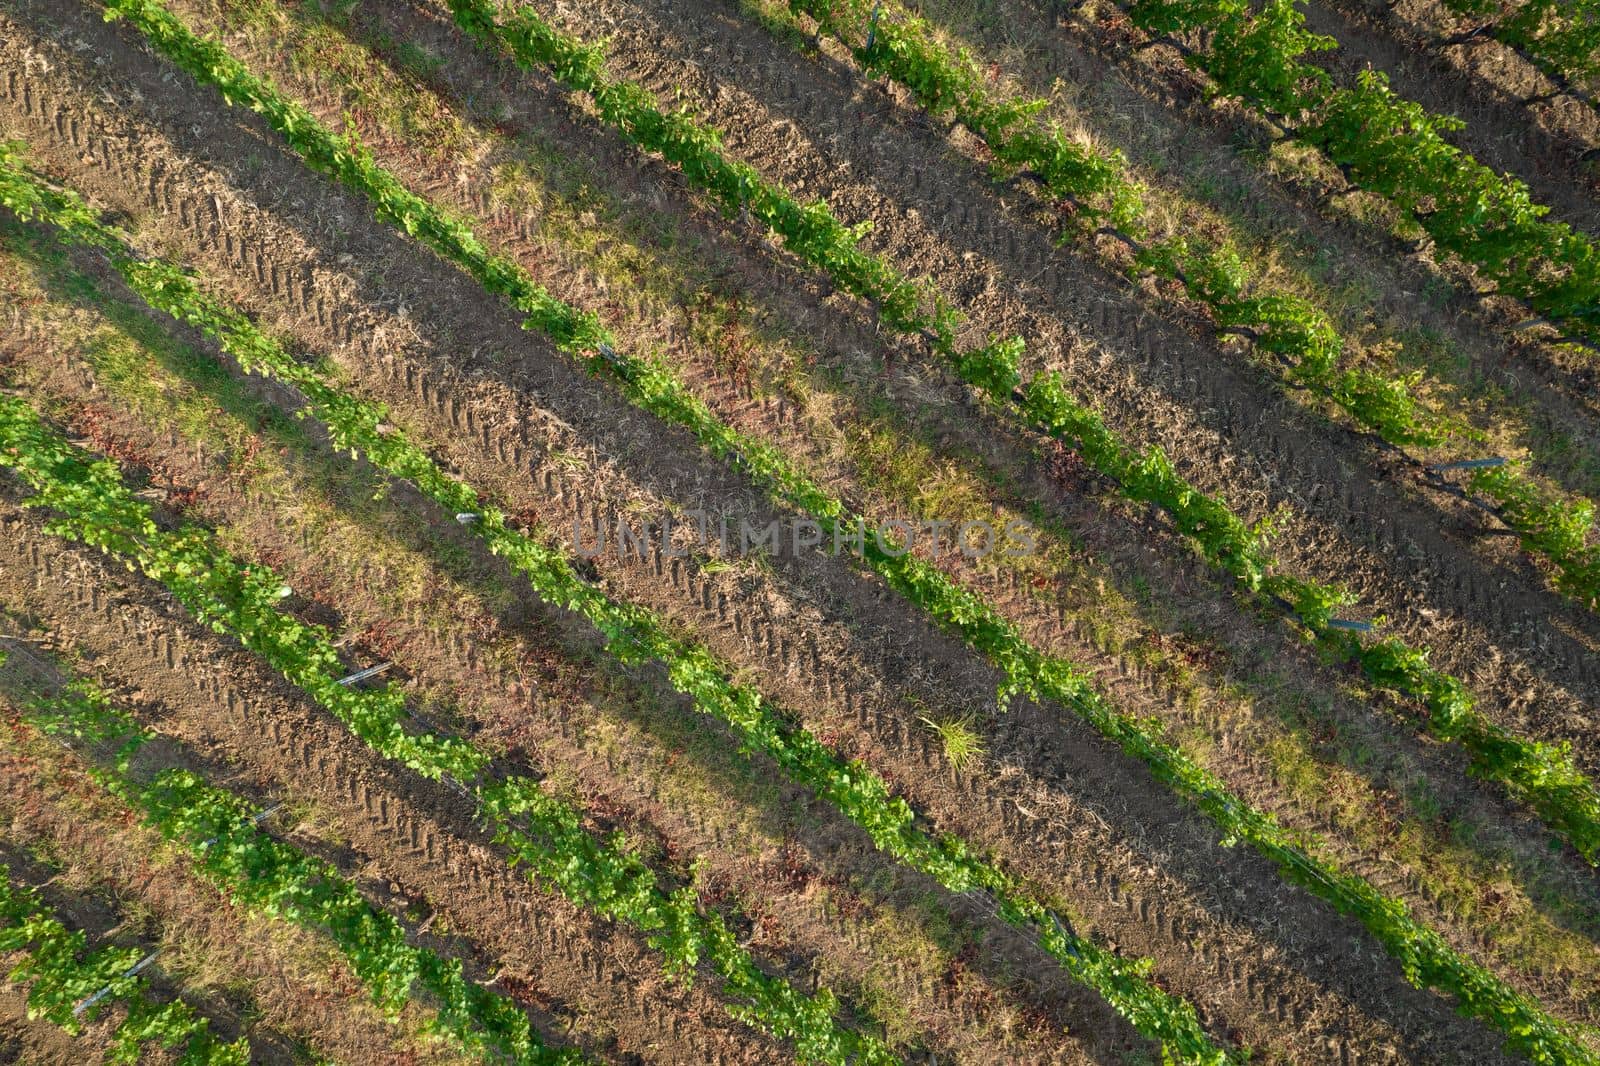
[962,745]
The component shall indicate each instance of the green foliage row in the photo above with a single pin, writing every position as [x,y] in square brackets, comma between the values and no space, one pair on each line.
[238,599]
[1394,147]
[1544,775]
[60,976]
[616,885]
[949,83]
[1300,338]
[269,877]
[809,230]
[540,832]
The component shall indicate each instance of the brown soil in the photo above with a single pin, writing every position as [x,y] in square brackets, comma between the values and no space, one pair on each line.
[1256,995]
[30,1042]
[35,1040]
[1140,906]
[516,691]
[1497,134]
[1422,561]
[1206,153]
[1158,78]
[129,903]
[1131,548]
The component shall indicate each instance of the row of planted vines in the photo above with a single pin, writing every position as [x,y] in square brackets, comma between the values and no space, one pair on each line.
[440,268]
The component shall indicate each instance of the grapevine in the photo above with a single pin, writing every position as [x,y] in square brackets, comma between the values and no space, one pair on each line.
[543,834]
[1542,774]
[1298,336]
[242,601]
[230,850]
[634,635]
[1524,1022]
[1394,147]
[60,977]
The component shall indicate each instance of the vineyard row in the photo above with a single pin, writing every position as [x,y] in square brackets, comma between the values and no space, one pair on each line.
[1425,956]
[1391,146]
[1543,775]
[541,833]
[230,850]
[62,980]
[1559,37]
[1294,333]
[575,593]
[634,635]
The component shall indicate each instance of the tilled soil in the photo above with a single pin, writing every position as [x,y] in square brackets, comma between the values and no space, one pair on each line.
[134,903]
[421,834]
[28,1040]
[291,1004]
[1256,944]
[35,1042]
[1130,685]
[1143,103]
[1164,79]
[1129,543]
[1419,560]
[1497,134]
[511,690]
[1143,908]
[1147,910]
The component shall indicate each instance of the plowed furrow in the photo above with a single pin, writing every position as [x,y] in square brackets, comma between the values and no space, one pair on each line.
[1420,560]
[1124,881]
[420,833]
[1161,79]
[427,625]
[292,1002]
[1231,699]
[1241,759]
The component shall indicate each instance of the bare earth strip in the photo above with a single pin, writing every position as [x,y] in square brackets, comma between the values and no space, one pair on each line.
[481,656]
